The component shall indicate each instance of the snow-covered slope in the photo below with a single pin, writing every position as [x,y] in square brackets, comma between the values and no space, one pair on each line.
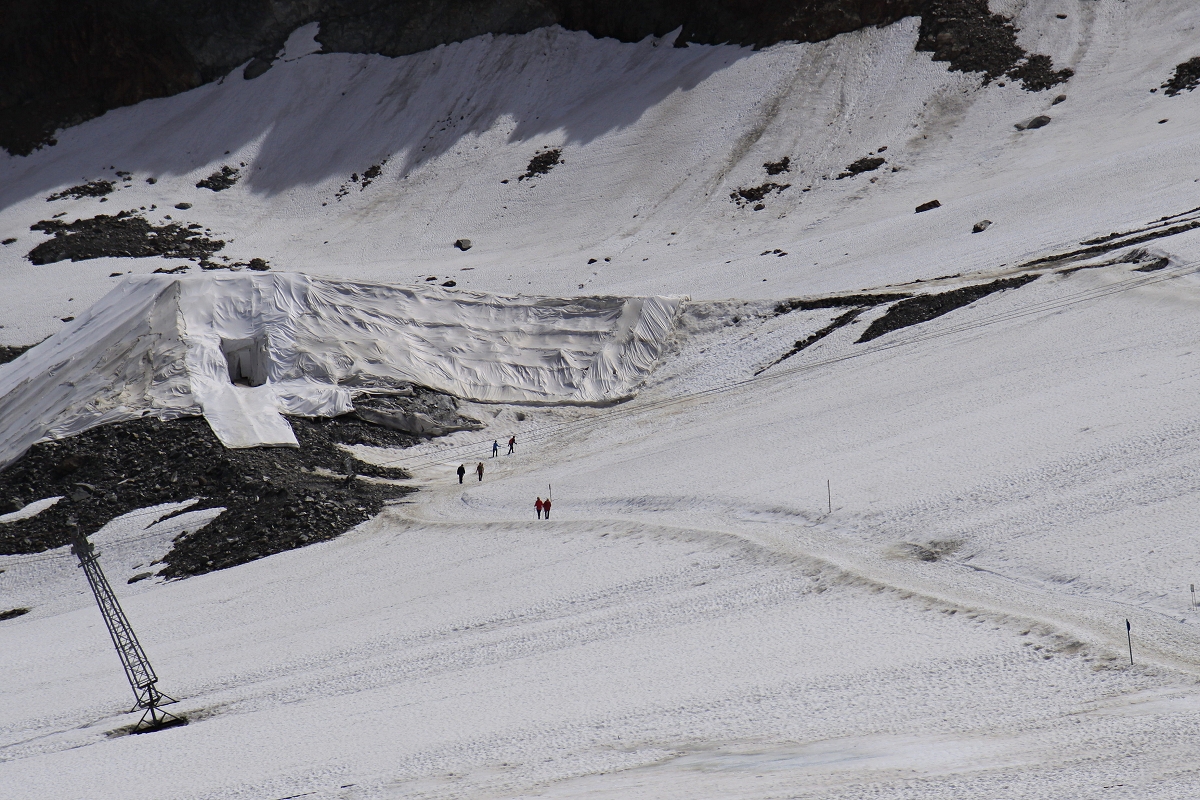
[804,561]
[654,139]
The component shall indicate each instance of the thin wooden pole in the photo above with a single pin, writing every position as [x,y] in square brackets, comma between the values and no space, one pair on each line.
[829,496]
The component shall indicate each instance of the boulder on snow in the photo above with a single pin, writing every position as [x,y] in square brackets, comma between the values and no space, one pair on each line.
[463,244]
[981,226]
[1039,121]
[932,204]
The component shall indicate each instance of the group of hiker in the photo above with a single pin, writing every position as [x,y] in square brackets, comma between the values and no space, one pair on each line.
[541,506]
[462,468]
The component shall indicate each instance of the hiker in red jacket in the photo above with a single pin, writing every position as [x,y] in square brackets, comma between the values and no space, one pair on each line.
[539,505]
[546,507]
[479,471]
[511,444]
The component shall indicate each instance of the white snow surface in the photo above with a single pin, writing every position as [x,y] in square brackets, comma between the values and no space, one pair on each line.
[701,616]
[165,346]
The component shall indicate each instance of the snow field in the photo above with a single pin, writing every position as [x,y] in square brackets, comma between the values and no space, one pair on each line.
[588,649]
[693,622]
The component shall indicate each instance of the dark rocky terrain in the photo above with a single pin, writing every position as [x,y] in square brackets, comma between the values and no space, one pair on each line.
[1185,79]
[125,234]
[542,163]
[66,61]
[275,498]
[10,352]
[923,308]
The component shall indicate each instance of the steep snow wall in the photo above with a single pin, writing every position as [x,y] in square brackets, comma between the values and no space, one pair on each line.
[63,61]
[241,349]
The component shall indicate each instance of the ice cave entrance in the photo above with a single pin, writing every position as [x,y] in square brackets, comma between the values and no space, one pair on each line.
[247,360]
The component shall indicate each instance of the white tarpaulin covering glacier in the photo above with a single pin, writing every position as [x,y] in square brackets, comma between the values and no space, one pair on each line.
[241,348]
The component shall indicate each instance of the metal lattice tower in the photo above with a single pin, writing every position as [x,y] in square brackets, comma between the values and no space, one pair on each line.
[138,670]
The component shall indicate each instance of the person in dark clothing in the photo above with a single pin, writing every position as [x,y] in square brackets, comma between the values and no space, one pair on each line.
[462,470]
[479,471]
[511,444]
[538,505]
[546,507]
[495,448]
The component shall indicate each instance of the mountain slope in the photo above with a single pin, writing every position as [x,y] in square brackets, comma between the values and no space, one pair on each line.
[872,527]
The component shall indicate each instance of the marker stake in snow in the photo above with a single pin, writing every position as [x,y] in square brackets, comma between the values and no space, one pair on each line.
[829,496]
[1129,636]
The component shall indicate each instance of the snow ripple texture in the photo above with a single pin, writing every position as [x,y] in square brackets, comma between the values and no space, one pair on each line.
[168,346]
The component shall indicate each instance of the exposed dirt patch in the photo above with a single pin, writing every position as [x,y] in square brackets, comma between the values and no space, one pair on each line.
[864,164]
[542,163]
[127,235]
[1185,79]
[222,179]
[90,189]
[972,39]
[923,308]
[175,721]
[930,551]
[12,613]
